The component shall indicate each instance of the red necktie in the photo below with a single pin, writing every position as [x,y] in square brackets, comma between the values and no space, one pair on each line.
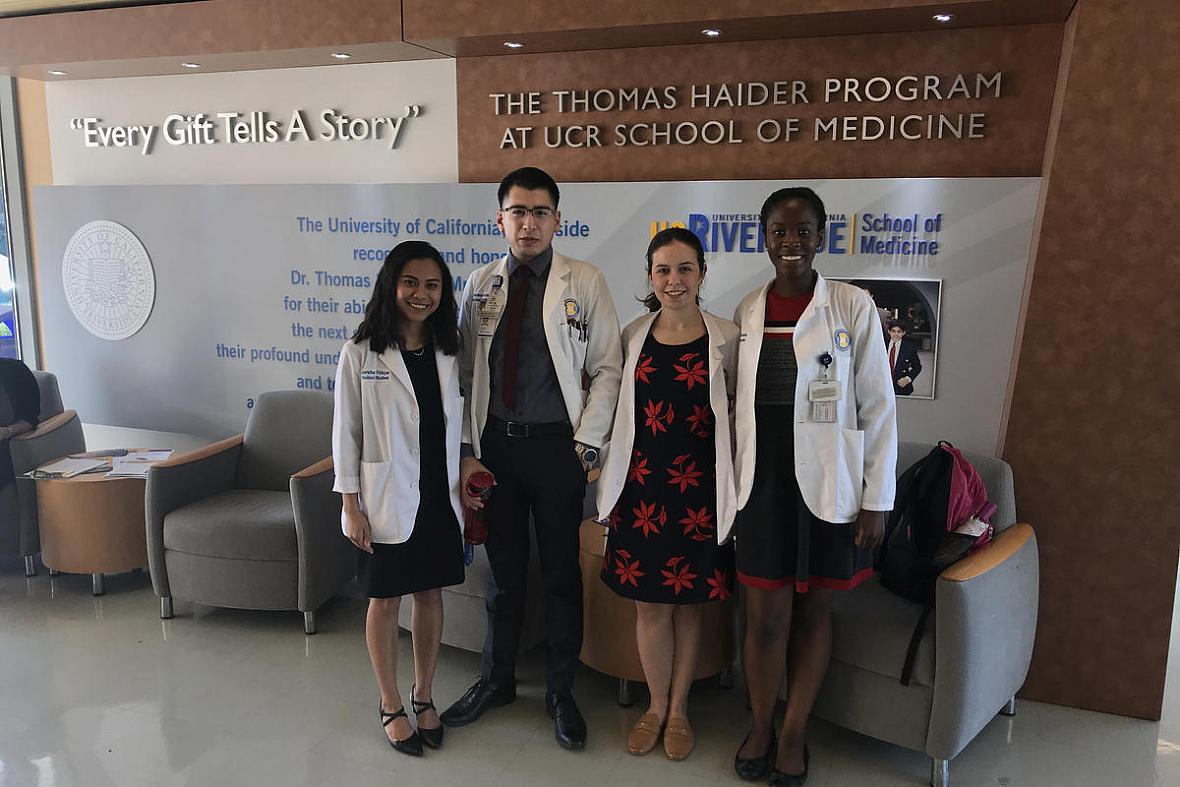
[518,292]
[892,357]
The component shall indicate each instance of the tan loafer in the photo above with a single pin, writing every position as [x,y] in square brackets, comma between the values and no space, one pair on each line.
[644,735]
[678,739]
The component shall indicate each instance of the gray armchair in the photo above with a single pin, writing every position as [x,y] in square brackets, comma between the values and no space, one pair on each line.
[975,653]
[251,522]
[58,433]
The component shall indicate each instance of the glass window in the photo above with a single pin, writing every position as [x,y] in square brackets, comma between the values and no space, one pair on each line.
[9,344]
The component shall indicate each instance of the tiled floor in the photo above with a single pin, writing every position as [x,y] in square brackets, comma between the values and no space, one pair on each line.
[100,691]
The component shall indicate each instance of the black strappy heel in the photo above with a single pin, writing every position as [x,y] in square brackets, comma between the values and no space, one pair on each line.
[411,745]
[431,736]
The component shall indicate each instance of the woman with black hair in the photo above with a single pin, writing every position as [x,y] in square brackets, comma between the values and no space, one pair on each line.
[814,467]
[395,444]
[666,489]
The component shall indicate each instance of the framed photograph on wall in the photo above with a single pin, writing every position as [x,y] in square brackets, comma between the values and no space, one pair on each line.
[910,312]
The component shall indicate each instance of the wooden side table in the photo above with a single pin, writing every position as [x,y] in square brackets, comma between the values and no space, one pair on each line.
[93,525]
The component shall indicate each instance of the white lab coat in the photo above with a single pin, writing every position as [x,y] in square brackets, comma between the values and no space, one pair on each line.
[574,290]
[842,467]
[723,348]
[375,439]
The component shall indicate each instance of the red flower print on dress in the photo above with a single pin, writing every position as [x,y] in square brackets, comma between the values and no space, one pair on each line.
[719,585]
[657,418]
[615,519]
[698,523]
[679,576]
[647,518]
[644,368]
[692,370]
[684,473]
[626,569]
[639,469]
[701,421]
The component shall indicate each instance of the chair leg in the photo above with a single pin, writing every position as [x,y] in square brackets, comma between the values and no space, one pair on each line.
[725,679]
[309,622]
[30,566]
[53,572]
[97,584]
[165,607]
[940,772]
[1010,708]
[625,698]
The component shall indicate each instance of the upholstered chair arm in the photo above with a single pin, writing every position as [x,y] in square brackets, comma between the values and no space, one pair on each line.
[53,438]
[327,560]
[985,621]
[178,482]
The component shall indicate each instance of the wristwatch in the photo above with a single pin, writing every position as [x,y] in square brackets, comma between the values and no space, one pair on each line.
[587,453]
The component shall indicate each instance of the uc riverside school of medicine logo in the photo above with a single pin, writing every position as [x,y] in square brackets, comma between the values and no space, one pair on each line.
[108,279]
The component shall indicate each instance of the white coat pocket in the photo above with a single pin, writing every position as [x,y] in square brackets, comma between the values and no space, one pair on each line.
[850,482]
[378,501]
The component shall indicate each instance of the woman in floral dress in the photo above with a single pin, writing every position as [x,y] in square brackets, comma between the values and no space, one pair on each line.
[666,489]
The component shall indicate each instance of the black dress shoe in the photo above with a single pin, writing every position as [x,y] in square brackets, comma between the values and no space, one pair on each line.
[780,779]
[411,745]
[568,725]
[754,769]
[483,695]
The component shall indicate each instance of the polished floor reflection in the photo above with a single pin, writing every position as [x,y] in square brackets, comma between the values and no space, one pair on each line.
[100,691]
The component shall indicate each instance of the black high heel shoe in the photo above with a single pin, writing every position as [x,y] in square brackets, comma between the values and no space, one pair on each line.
[780,779]
[756,768]
[411,745]
[431,736]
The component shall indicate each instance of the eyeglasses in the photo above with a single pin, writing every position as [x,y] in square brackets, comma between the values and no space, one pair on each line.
[540,213]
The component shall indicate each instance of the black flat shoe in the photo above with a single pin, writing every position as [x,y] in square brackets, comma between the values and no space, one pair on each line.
[481,696]
[754,769]
[569,728]
[780,779]
[431,736]
[411,745]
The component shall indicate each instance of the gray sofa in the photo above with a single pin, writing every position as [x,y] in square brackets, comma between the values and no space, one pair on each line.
[973,658]
[58,433]
[251,522]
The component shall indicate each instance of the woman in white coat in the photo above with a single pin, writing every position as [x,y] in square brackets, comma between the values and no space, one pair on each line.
[666,489]
[814,469]
[395,442]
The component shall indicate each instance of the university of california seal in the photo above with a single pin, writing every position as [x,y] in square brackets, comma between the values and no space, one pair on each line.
[108,280]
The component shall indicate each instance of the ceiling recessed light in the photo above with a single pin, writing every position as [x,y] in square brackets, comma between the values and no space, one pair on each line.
[341,55]
[944,18]
[513,44]
[711,32]
[56,73]
[191,65]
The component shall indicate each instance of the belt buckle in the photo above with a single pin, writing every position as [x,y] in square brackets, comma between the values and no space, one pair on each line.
[515,429]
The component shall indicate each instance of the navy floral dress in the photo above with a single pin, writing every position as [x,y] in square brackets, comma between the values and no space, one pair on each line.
[662,540]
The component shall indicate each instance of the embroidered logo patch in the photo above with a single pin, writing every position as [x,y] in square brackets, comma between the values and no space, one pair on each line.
[842,339]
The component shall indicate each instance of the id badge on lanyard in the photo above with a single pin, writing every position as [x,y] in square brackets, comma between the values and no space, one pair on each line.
[824,393]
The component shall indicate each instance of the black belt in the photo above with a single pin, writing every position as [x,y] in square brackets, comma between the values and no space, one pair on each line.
[516,429]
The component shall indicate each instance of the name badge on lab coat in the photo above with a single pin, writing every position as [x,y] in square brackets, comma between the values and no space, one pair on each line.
[489,312]
[824,393]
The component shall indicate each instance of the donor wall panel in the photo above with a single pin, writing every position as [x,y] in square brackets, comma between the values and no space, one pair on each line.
[257,287]
[843,107]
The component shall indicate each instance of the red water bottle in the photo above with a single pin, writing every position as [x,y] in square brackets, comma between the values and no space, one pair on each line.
[475,525]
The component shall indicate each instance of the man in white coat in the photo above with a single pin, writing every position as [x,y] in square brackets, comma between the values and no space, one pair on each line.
[534,326]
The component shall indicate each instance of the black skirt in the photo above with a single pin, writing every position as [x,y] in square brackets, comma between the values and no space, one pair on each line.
[779,541]
[432,557]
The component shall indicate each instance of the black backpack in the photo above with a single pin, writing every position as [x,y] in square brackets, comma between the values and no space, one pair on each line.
[917,545]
